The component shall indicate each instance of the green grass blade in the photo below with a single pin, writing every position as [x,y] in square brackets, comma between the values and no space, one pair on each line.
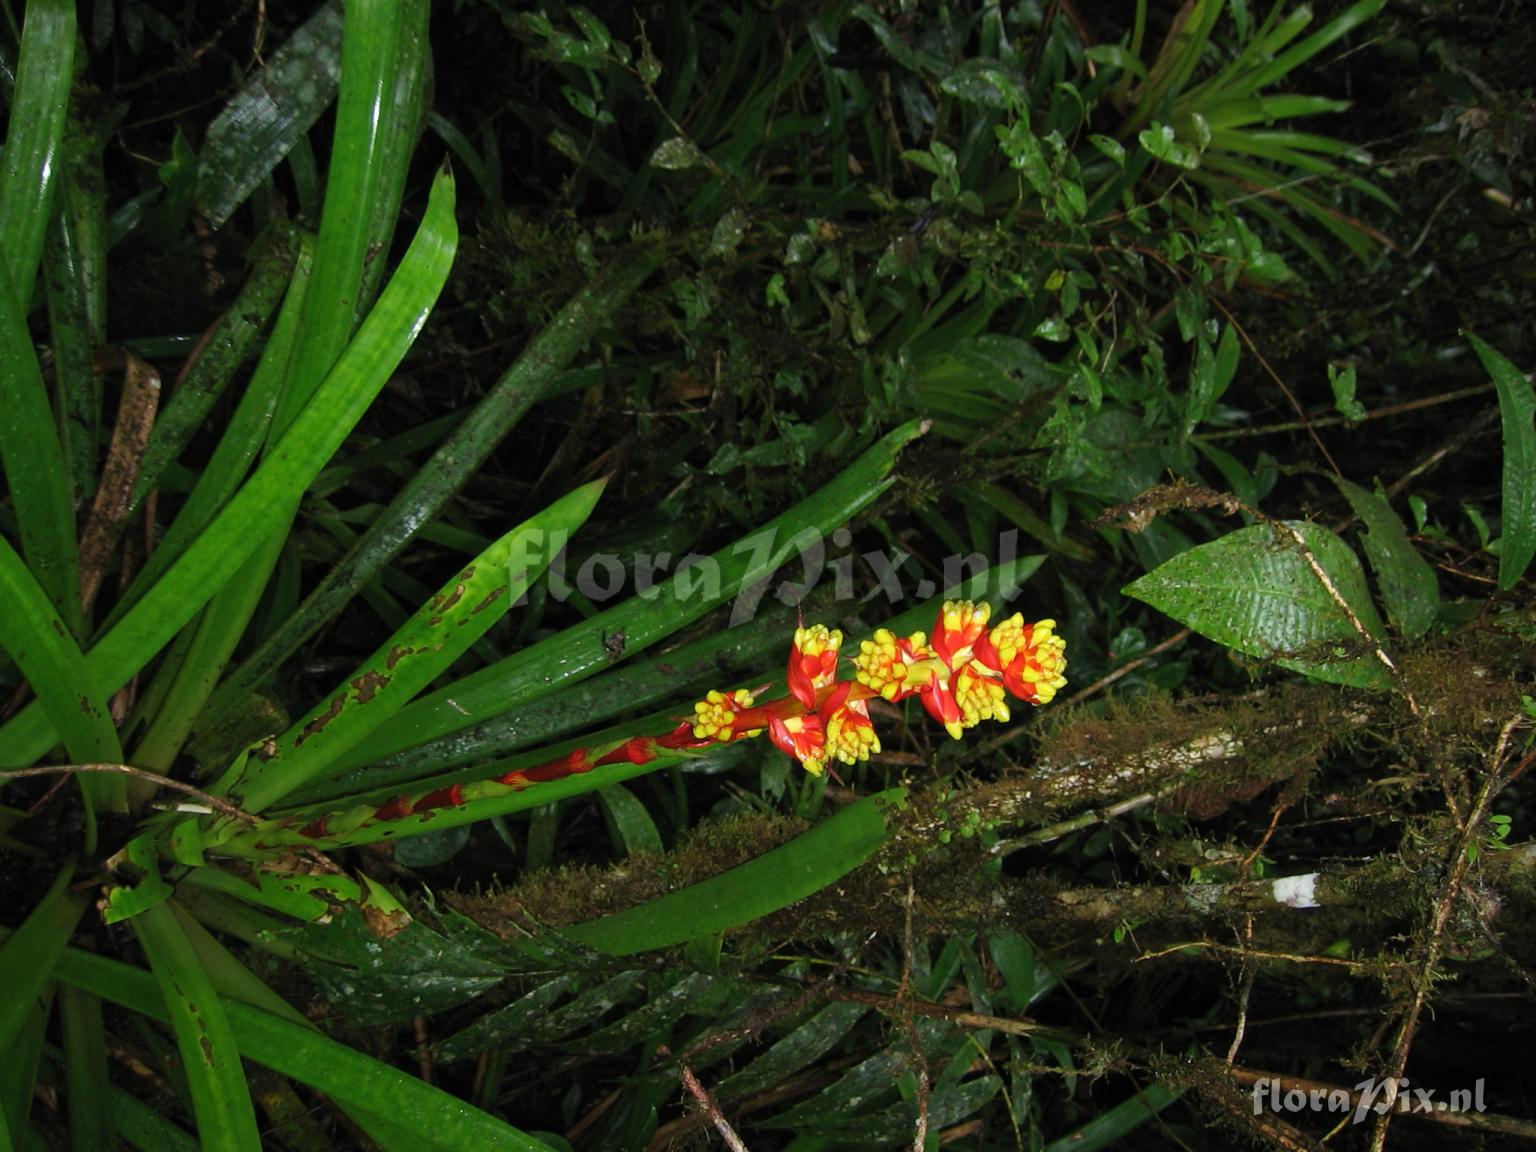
[1517,405]
[1116,1123]
[579,652]
[451,466]
[266,501]
[437,635]
[402,110]
[1297,55]
[774,880]
[30,162]
[221,1101]
[342,1073]
[1237,113]
[271,112]
[18,1079]
[202,659]
[233,980]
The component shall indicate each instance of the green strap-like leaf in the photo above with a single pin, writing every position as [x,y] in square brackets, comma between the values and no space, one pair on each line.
[29,164]
[267,499]
[579,652]
[270,113]
[450,467]
[36,638]
[774,880]
[91,1122]
[1517,407]
[221,1101]
[35,475]
[272,264]
[364,148]
[340,1072]
[28,954]
[437,635]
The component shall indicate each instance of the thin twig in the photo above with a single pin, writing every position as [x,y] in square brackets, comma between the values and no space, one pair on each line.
[1281,384]
[707,1102]
[1459,864]
[217,803]
[1334,421]
[1338,598]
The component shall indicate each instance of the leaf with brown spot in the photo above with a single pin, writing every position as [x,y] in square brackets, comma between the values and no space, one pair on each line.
[423,648]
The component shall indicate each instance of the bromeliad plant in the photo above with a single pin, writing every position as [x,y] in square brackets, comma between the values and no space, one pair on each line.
[963,676]
[159,853]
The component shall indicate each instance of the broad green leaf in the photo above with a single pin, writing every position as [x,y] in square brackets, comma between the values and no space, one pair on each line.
[676,153]
[1117,56]
[1227,353]
[1517,406]
[334,1069]
[300,895]
[1253,590]
[141,886]
[1203,392]
[430,849]
[774,880]
[984,82]
[1409,590]
[266,500]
